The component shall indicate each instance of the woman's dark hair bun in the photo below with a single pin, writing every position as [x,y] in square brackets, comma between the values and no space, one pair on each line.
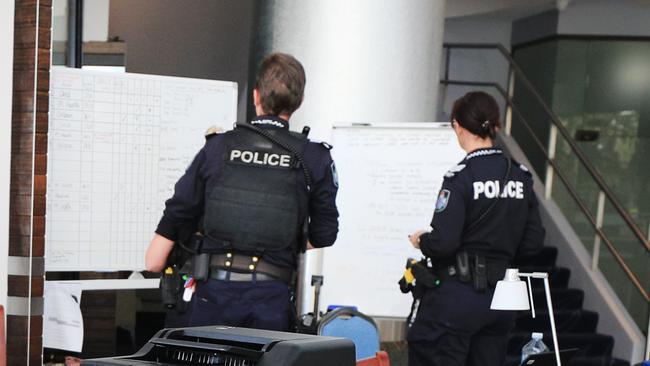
[478,113]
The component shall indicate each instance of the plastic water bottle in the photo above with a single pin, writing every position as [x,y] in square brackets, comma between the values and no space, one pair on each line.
[534,346]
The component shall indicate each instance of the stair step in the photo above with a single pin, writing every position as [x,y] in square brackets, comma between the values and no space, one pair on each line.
[618,362]
[563,299]
[545,258]
[589,344]
[566,321]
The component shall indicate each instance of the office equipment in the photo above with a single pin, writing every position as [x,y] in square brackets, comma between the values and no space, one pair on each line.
[217,345]
[117,143]
[511,293]
[390,175]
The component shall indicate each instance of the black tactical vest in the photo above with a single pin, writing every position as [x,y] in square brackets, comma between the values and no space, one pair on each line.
[259,201]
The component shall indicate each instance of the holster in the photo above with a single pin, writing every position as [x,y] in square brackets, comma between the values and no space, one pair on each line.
[418,278]
[201,267]
[472,268]
[479,272]
[170,286]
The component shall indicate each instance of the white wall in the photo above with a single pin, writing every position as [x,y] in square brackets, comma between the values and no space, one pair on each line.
[606,17]
[6,75]
[59,20]
[95,20]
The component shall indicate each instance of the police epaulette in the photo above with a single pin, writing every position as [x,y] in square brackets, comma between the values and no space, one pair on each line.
[522,167]
[325,145]
[454,170]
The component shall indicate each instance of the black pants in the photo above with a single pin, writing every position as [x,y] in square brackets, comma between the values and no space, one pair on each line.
[454,326]
[260,305]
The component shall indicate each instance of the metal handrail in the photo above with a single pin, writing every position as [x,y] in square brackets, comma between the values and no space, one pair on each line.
[575,148]
[583,207]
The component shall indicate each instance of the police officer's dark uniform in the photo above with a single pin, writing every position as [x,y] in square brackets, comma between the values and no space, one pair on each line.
[454,324]
[262,191]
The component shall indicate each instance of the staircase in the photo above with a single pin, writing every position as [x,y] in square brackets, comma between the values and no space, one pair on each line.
[576,327]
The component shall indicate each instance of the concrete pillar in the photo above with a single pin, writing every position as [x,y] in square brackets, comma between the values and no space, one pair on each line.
[366,61]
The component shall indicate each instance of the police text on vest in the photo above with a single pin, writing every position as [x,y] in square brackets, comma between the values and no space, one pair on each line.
[255,157]
[492,189]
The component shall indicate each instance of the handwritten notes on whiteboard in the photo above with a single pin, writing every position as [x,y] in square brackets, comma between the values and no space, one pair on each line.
[389,182]
[117,144]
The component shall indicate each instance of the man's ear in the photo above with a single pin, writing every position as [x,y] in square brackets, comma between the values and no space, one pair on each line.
[256,97]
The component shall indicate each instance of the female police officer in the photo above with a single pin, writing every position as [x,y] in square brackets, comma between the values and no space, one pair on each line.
[486,214]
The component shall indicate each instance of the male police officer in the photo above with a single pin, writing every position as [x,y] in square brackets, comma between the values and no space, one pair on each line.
[265,194]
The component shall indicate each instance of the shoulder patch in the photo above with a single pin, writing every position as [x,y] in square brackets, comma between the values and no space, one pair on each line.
[335,175]
[451,172]
[443,200]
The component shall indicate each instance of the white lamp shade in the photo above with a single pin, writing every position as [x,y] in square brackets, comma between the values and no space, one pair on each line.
[510,295]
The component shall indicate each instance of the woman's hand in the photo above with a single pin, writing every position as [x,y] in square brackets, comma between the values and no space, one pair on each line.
[415,238]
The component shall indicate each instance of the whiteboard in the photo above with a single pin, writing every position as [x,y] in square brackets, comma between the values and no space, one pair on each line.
[389,178]
[117,144]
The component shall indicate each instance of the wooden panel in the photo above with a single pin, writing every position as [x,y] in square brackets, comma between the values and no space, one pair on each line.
[22,206]
[21,184]
[19,246]
[24,164]
[24,59]
[19,286]
[17,350]
[22,225]
[23,101]
[24,82]
[27,38]
[28,167]
[26,15]
[41,143]
[19,324]
[22,123]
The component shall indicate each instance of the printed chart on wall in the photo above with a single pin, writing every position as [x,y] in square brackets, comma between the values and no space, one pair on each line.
[389,175]
[117,144]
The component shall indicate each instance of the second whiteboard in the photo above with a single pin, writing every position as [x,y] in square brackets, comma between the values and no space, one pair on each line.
[390,175]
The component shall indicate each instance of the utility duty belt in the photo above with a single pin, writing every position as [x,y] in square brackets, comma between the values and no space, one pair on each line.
[475,268]
[238,267]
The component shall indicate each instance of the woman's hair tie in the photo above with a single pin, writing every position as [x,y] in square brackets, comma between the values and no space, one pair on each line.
[485,125]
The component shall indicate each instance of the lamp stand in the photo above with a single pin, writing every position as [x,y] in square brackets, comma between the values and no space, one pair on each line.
[549,304]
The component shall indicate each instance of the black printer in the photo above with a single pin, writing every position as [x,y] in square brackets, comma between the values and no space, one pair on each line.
[229,346]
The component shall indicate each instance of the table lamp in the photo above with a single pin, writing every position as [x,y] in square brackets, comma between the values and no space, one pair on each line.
[511,293]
